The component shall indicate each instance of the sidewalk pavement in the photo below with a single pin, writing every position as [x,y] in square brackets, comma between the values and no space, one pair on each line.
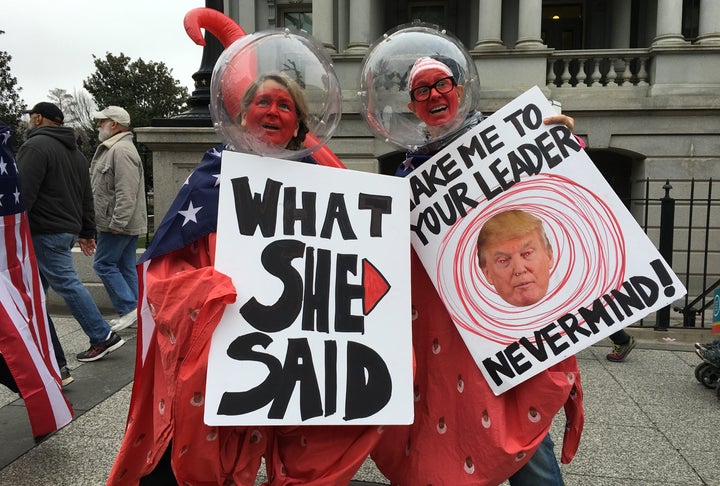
[648,420]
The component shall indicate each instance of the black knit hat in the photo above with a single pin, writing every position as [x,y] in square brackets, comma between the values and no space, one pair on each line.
[49,111]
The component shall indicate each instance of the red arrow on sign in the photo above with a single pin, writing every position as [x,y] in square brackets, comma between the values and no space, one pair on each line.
[375,284]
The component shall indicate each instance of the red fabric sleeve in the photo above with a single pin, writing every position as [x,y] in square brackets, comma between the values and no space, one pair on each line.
[187,298]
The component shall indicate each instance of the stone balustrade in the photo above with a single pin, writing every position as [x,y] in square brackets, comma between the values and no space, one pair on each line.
[598,68]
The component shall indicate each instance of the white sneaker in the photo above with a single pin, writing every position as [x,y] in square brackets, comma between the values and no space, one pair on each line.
[124,321]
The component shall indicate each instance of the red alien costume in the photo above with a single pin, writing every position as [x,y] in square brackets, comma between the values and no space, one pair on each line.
[462,434]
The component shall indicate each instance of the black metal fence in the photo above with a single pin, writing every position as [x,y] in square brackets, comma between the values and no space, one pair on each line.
[682,217]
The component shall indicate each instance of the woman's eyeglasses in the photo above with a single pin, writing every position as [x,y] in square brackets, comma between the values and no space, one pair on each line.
[442,86]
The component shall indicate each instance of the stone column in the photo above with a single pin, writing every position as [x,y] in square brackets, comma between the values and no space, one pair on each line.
[244,17]
[621,24]
[343,16]
[669,22]
[529,20]
[366,22]
[709,31]
[489,24]
[323,15]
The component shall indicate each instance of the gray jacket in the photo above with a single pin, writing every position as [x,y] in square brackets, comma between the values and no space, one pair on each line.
[118,184]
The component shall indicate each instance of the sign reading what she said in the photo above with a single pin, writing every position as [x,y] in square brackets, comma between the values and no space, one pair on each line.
[320,330]
[605,272]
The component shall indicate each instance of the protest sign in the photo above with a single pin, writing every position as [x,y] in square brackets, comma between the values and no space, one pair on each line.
[604,275]
[320,330]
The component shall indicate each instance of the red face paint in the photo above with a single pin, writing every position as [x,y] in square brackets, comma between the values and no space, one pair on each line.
[439,108]
[271,116]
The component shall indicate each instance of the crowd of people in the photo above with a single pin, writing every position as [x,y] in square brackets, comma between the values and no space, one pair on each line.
[100,206]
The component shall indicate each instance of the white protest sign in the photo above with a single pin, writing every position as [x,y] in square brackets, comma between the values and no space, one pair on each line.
[320,332]
[605,272]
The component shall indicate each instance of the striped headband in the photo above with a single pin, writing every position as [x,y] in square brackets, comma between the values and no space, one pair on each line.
[424,64]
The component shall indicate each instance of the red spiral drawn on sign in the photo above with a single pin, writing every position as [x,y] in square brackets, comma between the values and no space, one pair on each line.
[588,250]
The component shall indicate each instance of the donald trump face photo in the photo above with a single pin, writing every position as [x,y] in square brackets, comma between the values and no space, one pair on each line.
[515,256]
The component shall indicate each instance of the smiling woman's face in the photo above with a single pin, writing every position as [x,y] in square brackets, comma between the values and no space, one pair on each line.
[271,115]
[439,108]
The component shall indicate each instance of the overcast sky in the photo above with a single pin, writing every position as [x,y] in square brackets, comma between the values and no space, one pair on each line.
[52,41]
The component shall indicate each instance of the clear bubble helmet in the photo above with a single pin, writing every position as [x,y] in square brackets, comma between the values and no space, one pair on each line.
[268,52]
[384,91]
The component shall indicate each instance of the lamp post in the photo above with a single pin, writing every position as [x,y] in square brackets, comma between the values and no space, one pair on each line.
[198,113]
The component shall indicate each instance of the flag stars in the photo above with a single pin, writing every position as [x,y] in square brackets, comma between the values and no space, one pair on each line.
[190,213]
[3,166]
[17,195]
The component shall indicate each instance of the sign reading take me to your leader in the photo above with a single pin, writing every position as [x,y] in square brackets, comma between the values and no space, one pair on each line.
[320,331]
[605,275]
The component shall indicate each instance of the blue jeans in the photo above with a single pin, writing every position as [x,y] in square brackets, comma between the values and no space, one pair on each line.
[54,258]
[114,263]
[541,469]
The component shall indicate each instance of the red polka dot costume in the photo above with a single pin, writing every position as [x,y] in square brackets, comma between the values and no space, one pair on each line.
[463,434]
[187,298]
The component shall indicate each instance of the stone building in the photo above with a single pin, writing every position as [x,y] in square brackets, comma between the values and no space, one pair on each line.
[640,77]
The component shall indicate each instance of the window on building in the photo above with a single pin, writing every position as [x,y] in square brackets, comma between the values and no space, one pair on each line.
[690,19]
[295,16]
[429,12]
[562,26]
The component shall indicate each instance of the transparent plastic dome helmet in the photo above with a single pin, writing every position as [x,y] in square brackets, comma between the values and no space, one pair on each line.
[385,93]
[282,55]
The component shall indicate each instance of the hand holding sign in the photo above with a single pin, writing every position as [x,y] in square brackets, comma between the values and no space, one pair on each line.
[599,281]
[257,107]
[459,421]
[309,340]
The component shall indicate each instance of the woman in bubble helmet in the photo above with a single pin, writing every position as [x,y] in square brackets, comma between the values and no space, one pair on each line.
[420,89]
[258,108]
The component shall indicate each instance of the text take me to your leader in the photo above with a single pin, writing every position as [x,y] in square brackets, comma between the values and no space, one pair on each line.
[606,273]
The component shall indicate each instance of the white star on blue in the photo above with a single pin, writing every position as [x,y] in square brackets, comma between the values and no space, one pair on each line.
[190,213]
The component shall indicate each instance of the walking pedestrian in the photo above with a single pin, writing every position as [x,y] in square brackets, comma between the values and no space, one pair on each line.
[118,185]
[55,183]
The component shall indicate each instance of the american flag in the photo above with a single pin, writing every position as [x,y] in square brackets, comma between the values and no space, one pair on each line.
[192,215]
[24,333]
